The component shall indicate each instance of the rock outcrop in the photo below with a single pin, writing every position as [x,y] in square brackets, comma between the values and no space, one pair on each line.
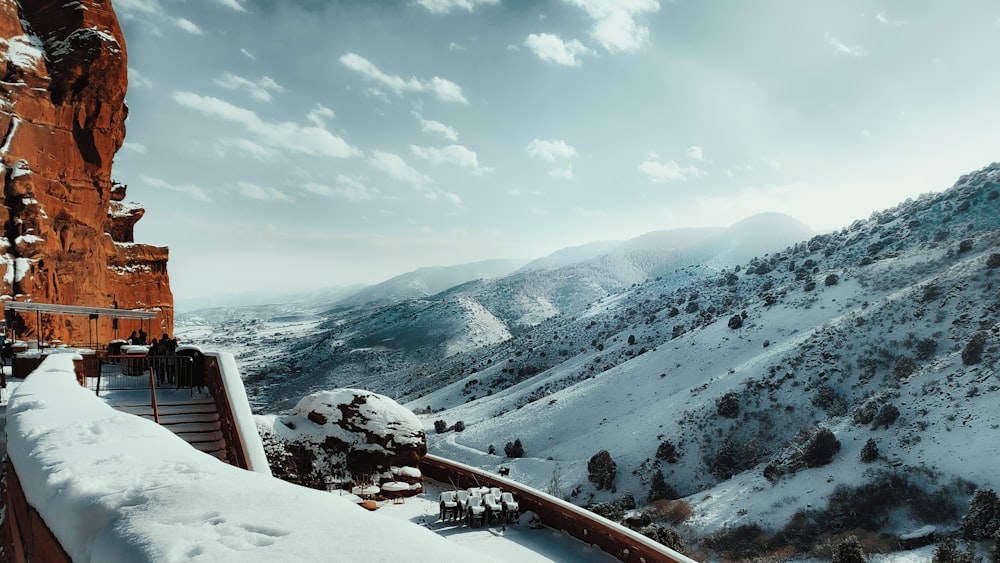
[67,231]
[348,434]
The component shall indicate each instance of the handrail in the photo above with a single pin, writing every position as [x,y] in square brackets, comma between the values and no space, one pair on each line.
[234,445]
[612,538]
[152,396]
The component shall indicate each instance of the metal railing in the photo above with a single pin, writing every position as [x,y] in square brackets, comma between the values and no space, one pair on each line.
[131,372]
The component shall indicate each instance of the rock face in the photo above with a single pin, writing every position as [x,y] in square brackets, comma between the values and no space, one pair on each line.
[67,232]
[349,434]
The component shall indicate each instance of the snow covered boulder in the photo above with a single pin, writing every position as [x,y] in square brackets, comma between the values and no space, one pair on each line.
[341,435]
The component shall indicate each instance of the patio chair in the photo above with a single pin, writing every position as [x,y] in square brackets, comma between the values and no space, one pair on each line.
[476,513]
[449,506]
[493,508]
[510,507]
[462,497]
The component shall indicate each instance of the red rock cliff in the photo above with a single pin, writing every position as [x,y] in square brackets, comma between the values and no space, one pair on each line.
[67,233]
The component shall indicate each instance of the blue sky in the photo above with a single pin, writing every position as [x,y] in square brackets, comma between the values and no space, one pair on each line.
[294,144]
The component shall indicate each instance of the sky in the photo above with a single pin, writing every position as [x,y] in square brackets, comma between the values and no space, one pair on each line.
[304,144]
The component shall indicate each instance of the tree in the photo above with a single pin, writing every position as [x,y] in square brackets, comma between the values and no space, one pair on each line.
[983,520]
[440,426]
[660,489]
[849,551]
[821,448]
[973,352]
[602,470]
[869,452]
[514,449]
[631,340]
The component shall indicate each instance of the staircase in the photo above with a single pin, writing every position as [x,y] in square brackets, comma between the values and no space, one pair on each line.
[195,419]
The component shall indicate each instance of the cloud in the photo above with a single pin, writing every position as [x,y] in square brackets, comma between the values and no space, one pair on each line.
[138,148]
[284,136]
[350,189]
[431,126]
[866,133]
[319,114]
[562,173]
[615,27]
[262,193]
[248,54]
[190,190]
[662,172]
[855,51]
[138,80]
[456,155]
[445,89]
[551,150]
[694,153]
[552,49]
[882,17]
[446,6]
[259,89]
[232,4]
[247,147]
[188,26]
[394,165]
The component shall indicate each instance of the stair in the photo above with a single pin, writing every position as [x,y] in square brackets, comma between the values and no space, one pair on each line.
[194,419]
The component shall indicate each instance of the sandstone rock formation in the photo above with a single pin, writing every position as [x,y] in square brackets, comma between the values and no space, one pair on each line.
[67,232]
[345,433]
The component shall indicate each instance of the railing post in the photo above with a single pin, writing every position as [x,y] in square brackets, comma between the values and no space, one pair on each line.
[152,396]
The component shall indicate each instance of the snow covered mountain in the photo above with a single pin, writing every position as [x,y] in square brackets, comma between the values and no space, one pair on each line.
[843,384]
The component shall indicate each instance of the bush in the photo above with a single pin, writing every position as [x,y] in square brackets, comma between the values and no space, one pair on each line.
[735,322]
[667,452]
[728,405]
[820,448]
[672,511]
[983,520]
[886,416]
[459,426]
[965,245]
[926,348]
[666,536]
[905,367]
[831,279]
[609,510]
[993,261]
[659,489]
[865,413]
[601,470]
[514,449]
[440,426]
[849,551]
[829,400]
[973,352]
[947,552]
[870,453]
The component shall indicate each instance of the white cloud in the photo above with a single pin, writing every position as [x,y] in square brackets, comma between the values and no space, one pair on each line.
[259,89]
[247,147]
[456,155]
[550,150]
[446,6]
[233,4]
[562,173]
[431,126]
[394,165]
[662,172]
[866,133]
[855,51]
[188,26]
[190,190]
[262,193]
[553,49]
[445,89]
[138,148]
[350,189]
[615,27]
[319,114]
[248,54]
[137,80]
[694,153]
[284,136]
[882,17]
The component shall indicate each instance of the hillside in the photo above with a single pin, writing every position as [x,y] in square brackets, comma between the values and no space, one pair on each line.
[750,390]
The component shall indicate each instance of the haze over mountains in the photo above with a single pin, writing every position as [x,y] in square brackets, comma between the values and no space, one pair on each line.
[717,367]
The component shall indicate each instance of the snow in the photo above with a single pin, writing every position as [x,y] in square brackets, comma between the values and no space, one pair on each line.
[114,487]
[24,51]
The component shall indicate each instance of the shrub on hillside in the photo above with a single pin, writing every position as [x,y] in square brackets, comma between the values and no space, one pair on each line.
[965,245]
[849,551]
[829,400]
[926,348]
[609,510]
[983,519]
[886,416]
[735,322]
[666,536]
[905,367]
[993,261]
[973,352]
[947,552]
[870,453]
[440,426]
[659,488]
[865,413]
[672,511]
[459,426]
[514,449]
[820,448]
[728,405]
[667,452]
[601,470]
[831,279]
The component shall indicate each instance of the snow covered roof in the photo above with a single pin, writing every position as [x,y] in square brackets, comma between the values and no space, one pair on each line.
[114,487]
